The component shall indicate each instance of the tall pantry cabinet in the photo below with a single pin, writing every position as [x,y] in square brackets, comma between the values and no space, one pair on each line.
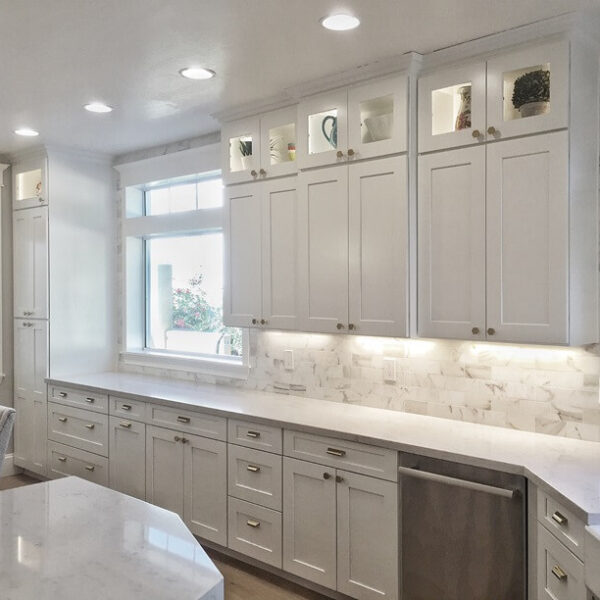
[63,224]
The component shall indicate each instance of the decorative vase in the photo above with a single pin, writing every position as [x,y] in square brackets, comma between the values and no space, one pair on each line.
[292,151]
[331,137]
[463,118]
[246,162]
[531,109]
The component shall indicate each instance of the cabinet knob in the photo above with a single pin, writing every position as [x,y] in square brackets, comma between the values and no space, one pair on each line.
[351,326]
[491,130]
[339,154]
[339,326]
[339,479]
[263,321]
[254,321]
[475,330]
[40,199]
[491,331]
[253,173]
[177,438]
[476,133]
[184,440]
[350,152]
[326,476]
[263,172]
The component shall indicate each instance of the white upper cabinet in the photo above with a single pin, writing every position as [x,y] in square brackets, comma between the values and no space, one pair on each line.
[30,249]
[528,240]
[30,183]
[451,244]
[452,107]
[514,93]
[349,124]
[528,90]
[259,147]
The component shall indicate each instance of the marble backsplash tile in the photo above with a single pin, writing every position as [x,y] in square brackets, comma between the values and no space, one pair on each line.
[543,389]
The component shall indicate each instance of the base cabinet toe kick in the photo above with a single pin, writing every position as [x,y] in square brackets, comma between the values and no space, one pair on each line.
[346,518]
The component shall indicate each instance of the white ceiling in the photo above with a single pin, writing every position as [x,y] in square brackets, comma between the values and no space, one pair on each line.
[59,54]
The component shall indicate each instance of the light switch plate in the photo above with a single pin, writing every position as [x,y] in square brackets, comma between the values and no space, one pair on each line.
[389,369]
[288,360]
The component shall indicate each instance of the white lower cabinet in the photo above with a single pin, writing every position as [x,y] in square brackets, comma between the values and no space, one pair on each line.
[30,434]
[187,474]
[64,460]
[127,451]
[340,530]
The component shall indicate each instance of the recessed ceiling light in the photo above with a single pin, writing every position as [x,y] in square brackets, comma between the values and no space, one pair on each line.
[27,132]
[196,73]
[340,22]
[98,107]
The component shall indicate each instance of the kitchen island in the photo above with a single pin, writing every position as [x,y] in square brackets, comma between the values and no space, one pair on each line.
[76,540]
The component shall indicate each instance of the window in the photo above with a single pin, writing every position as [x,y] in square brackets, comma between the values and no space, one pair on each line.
[174,272]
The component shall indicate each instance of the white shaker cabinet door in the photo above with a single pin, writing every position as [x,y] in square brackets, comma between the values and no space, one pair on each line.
[127,452]
[243,277]
[323,250]
[309,521]
[451,244]
[30,247]
[528,240]
[164,469]
[205,488]
[378,222]
[367,529]
[280,252]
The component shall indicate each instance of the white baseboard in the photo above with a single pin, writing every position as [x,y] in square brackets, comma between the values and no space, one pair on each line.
[8,466]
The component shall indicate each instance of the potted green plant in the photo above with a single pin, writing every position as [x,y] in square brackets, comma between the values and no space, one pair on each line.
[531,93]
[246,153]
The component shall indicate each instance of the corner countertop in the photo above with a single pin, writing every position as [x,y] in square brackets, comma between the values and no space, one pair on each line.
[568,469]
[74,540]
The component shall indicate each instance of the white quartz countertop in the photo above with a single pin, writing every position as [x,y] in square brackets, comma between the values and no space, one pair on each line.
[75,540]
[567,468]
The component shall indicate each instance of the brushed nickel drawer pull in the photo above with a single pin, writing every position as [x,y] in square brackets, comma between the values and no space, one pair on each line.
[252,523]
[89,468]
[559,573]
[183,419]
[126,406]
[253,468]
[126,425]
[559,518]
[62,394]
[336,452]
[90,426]
[253,434]
[62,419]
[90,400]
[62,458]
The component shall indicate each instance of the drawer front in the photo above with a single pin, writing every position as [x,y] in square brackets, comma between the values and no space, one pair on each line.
[82,429]
[129,409]
[560,573]
[569,529]
[79,399]
[64,460]
[255,531]
[255,476]
[350,456]
[209,426]
[255,435]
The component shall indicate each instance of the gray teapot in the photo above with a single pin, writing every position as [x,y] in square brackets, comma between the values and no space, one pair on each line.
[332,136]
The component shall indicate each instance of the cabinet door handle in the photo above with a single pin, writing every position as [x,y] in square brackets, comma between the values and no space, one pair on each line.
[339,479]
[350,152]
[491,130]
[475,330]
[62,458]
[62,394]
[339,154]
[253,468]
[559,518]
[183,419]
[126,425]
[90,426]
[339,326]
[89,468]
[27,313]
[252,523]
[476,133]
[253,434]
[326,476]
[253,173]
[351,326]
[262,172]
[336,452]
[491,331]
[126,406]
[90,400]
[559,573]
[62,419]
[263,321]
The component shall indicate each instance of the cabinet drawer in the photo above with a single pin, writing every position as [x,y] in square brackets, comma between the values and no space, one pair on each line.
[79,428]
[191,422]
[561,522]
[560,573]
[255,476]
[64,460]
[255,435]
[255,531]
[79,399]
[350,456]
[129,409]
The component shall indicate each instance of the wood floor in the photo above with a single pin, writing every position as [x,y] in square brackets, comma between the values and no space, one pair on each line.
[242,582]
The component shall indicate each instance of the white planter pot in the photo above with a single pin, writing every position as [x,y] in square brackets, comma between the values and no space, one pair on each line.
[531,109]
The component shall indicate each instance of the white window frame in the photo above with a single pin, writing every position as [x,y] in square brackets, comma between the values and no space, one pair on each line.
[135,230]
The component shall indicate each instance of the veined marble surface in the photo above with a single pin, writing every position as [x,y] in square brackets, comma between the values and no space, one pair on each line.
[69,539]
[567,468]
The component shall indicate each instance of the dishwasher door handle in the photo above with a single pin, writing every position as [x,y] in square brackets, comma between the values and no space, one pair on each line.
[463,483]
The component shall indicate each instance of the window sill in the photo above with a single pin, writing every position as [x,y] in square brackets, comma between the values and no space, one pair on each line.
[191,364]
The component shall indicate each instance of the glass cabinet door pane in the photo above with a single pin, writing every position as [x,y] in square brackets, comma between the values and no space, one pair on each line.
[282,144]
[240,153]
[323,131]
[526,92]
[376,119]
[451,108]
[29,185]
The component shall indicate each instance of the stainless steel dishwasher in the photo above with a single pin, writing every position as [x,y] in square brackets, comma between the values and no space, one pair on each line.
[463,532]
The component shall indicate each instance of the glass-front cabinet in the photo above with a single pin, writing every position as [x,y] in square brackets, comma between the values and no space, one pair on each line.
[240,143]
[30,183]
[515,93]
[278,143]
[352,123]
